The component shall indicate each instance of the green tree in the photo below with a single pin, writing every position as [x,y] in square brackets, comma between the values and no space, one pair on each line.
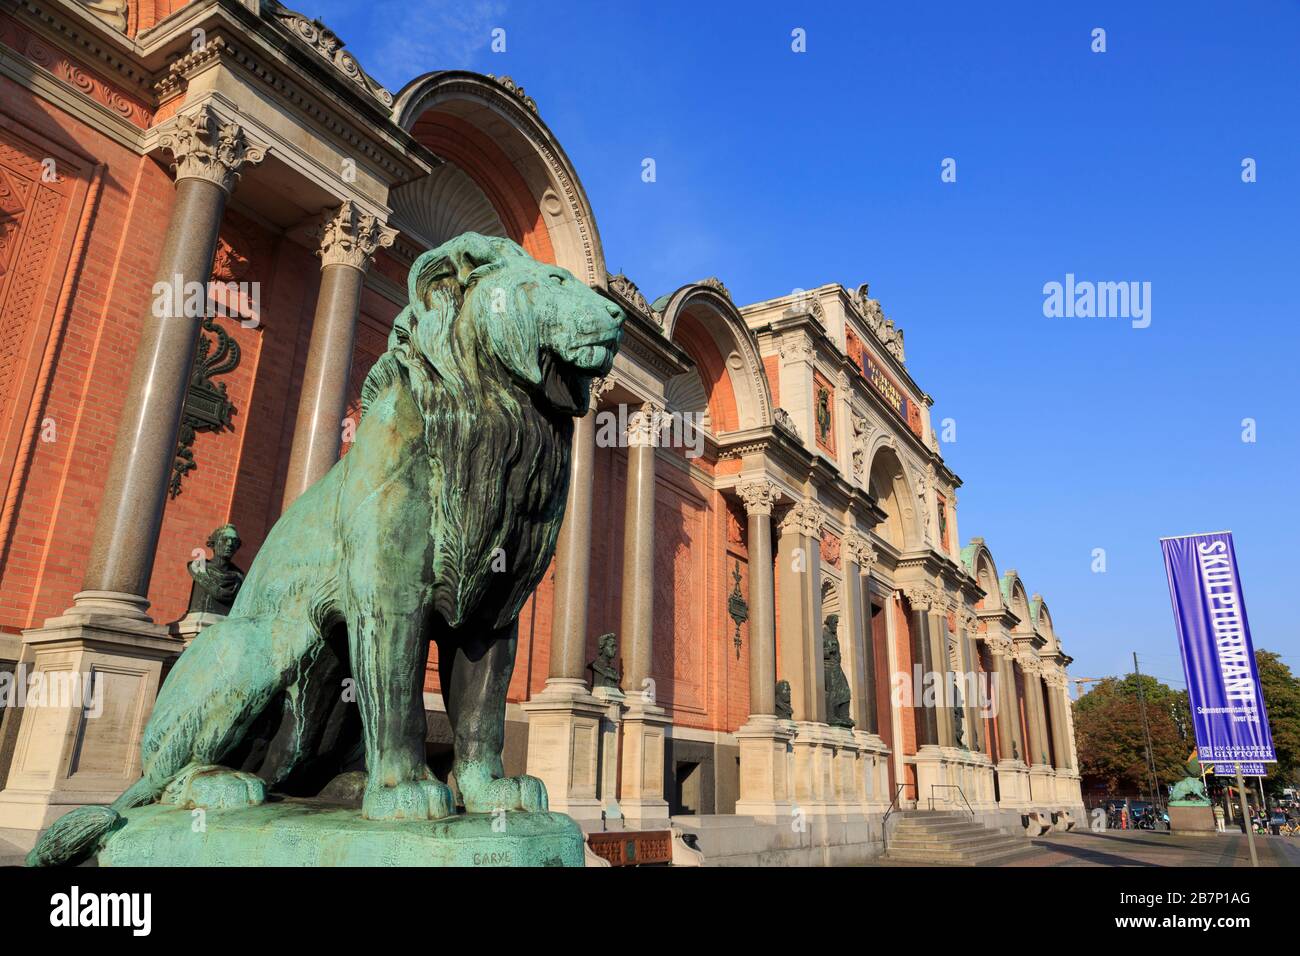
[1108,732]
[1281,691]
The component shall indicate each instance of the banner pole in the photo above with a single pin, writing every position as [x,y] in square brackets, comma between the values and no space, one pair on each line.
[1245,817]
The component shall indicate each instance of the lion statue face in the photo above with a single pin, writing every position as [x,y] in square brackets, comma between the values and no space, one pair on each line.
[550,331]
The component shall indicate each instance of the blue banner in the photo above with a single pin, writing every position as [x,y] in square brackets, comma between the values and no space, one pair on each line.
[1218,657]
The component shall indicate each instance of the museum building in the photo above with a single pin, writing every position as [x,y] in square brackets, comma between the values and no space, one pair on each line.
[753,486]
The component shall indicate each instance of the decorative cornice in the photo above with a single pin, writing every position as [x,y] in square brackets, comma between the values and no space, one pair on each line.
[759,495]
[206,146]
[185,67]
[351,237]
[326,44]
[510,86]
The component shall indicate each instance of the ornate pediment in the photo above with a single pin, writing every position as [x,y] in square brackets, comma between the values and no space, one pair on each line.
[326,44]
[627,290]
[883,329]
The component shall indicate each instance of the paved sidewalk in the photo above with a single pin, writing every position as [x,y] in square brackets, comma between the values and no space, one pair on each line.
[1144,848]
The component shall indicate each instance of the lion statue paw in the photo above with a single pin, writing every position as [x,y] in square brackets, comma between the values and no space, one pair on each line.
[408,800]
[503,793]
[214,788]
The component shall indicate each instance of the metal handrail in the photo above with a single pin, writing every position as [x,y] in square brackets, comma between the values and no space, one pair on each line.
[951,786]
[884,823]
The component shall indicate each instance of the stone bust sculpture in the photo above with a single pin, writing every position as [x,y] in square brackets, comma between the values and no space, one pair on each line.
[784,709]
[604,669]
[837,685]
[217,581]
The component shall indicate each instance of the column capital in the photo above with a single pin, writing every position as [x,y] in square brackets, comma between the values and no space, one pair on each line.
[599,388]
[921,596]
[350,236]
[857,548]
[643,425]
[205,145]
[804,517]
[759,495]
[999,645]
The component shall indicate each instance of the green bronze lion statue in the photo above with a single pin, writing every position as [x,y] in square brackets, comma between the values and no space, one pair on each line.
[436,526]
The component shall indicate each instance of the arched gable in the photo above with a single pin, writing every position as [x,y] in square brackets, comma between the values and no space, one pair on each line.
[492,133]
[703,320]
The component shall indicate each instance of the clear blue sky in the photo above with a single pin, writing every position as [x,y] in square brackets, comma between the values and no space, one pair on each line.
[779,170]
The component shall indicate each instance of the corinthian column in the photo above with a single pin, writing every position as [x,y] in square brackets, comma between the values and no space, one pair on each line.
[638,550]
[349,239]
[764,740]
[1007,718]
[107,631]
[759,497]
[1034,715]
[209,153]
[573,557]
[858,558]
[1057,705]
[642,794]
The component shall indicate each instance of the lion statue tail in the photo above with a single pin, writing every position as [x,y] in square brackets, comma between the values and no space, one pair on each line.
[77,835]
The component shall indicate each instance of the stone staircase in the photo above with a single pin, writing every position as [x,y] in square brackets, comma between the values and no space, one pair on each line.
[951,838]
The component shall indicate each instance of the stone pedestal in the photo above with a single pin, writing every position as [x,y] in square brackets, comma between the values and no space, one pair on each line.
[872,772]
[188,627]
[564,724]
[79,739]
[610,724]
[813,749]
[641,797]
[931,776]
[765,758]
[1196,819]
[1042,785]
[845,793]
[1013,784]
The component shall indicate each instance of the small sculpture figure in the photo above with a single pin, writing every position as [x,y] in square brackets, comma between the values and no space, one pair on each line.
[958,720]
[784,710]
[216,582]
[1015,751]
[837,685]
[605,670]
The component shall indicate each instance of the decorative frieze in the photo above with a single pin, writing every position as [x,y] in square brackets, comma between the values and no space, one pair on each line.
[206,146]
[351,237]
[759,495]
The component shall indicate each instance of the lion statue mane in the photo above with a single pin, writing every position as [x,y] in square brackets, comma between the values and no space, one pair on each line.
[436,526]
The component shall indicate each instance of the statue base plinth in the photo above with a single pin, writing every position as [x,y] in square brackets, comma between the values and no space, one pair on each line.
[305,833]
[1198,819]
